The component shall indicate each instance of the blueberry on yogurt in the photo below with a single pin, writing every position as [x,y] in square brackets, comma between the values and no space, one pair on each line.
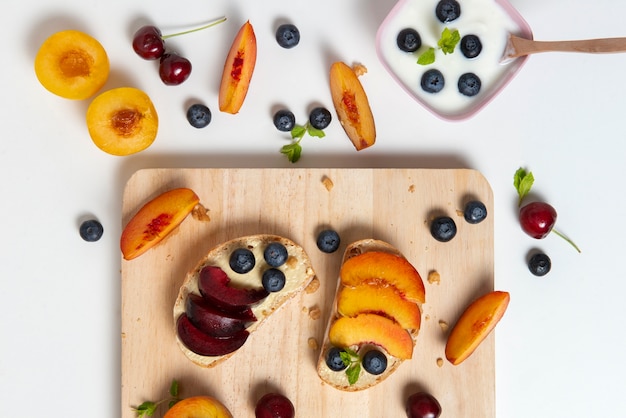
[469,84]
[409,40]
[448,10]
[432,81]
[471,46]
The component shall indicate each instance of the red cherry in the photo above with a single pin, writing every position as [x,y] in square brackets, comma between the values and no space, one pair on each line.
[274,405]
[148,43]
[174,69]
[422,405]
[537,219]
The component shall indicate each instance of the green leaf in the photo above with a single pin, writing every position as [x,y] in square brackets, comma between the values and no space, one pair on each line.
[315,132]
[298,131]
[174,388]
[448,41]
[146,409]
[353,372]
[427,57]
[293,151]
[523,182]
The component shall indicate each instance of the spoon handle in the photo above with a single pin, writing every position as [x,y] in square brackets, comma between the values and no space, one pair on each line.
[522,46]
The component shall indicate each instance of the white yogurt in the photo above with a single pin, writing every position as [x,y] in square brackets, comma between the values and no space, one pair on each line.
[487,19]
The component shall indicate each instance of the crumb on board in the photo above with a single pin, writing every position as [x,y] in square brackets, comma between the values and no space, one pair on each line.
[315,312]
[200,213]
[313,286]
[459,212]
[412,188]
[439,362]
[443,325]
[427,317]
[312,342]
[328,183]
[434,277]
[359,69]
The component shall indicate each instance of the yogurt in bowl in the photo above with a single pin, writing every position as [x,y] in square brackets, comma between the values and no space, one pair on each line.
[453,87]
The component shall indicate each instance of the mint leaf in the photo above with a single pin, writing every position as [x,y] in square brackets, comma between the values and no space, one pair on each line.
[146,409]
[315,132]
[448,41]
[174,388]
[353,372]
[298,131]
[523,182]
[427,57]
[293,151]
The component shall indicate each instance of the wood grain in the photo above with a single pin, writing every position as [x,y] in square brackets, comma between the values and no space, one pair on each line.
[393,205]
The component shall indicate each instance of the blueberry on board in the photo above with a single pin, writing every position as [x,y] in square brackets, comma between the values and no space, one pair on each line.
[471,46]
[275,254]
[91,230]
[443,228]
[448,10]
[273,280]
[409,40]
[284,120]
[539,264]
[241,260]
[475,212]
[287,35]
[320,118]
[334,360]
[374,362]
[198,115]
[432,81]
[469,84]
[328,241]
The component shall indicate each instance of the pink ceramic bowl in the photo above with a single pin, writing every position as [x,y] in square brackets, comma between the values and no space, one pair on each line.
[490,20]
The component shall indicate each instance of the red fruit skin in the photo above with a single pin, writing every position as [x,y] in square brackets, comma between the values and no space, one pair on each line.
[174,69]
[148,43]
[274,405]
[537,219]
[213,284]
[423,405]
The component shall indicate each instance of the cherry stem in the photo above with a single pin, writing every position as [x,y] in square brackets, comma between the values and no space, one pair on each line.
[566,239]
[213,23]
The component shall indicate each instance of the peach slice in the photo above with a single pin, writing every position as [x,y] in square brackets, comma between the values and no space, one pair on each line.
[155,220]
[238,70]
[385,301]
[72,65]
[122,121]
[372,329]
[380,268]
[198,407]
[476,322]
[352,106]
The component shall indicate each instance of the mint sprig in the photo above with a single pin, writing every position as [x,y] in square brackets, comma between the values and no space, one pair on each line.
[351,359]
[148,408]
[523,182]
[447,44]
[293,151]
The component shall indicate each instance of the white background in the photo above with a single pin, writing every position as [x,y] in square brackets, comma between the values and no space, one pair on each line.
[560,346]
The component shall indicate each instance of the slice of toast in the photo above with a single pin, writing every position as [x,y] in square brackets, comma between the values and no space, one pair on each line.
[371,319]
[298,273]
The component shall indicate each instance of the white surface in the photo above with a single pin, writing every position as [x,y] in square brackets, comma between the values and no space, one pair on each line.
[560,345]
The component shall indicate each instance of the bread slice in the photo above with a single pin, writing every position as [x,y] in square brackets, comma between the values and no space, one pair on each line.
[339,379]
[298,274]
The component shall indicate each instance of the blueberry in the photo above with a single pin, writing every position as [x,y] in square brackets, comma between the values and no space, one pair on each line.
[287,35]
[273,280]
[475,212]
[469,84]
[374,362]
[284,120]
[448,10]
[275,254]
[334,360]
[433,81]
[320,118]
[91,230]
[539,264]
[443,228]
[471,46]
[242,260]
[409,40]
[328,241]
[198,115]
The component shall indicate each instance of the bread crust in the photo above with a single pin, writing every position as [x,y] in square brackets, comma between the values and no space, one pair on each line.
[298,273]
[339,380]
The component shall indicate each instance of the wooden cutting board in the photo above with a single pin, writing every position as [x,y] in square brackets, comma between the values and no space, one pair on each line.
[393,205]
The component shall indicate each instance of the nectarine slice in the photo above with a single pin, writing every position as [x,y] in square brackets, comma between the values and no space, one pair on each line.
[380,268]
[352,106]
[476,322]
[72,65]
[238,70]
[198,407]
[155,220]
[385,300]
[372,329]
[122,121]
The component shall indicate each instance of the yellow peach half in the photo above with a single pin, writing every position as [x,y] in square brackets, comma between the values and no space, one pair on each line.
[475,324]
[72,65]
[372,329]
[198,407]
[155,220]
[385,300]
[381,268]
